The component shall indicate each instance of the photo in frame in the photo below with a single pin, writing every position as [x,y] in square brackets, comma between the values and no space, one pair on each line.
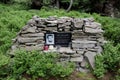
[50,38]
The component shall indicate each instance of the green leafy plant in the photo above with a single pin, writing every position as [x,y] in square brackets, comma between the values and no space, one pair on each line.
[4,66]
[109,61]
[39,64]
[99,70]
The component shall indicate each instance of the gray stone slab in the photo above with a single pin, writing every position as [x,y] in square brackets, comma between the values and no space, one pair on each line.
[66,18]
[93,25]
[40,41]
[52,22]
[30,30]
[64,55]
[66,50]
[29,44]
[77,59]
[75,55]
[32,48]
[91,19]
[80,37]
[52,25]
[33,35]
[93,31]
[26,40]
[85,42]
[90,56]
[92,49]
[82,45]
[41,26]
[50,28]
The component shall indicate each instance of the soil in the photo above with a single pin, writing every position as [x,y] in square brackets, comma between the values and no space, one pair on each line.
[76,76]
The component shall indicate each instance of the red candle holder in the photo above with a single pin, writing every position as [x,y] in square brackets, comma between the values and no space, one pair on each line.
[46,47]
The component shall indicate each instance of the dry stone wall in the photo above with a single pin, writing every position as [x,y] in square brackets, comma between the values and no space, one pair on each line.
[86,40]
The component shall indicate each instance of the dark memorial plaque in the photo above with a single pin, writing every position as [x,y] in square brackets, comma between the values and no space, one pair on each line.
[63,39]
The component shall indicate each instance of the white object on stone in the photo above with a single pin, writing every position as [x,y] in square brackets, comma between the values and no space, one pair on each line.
[51,47]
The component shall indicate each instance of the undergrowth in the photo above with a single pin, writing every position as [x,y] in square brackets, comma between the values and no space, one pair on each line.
[35,64]
[109,61]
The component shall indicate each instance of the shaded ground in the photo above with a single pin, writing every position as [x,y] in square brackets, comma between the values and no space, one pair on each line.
[77,76]
[74,76]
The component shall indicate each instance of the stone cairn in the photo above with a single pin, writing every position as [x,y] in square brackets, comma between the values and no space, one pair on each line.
[87,38]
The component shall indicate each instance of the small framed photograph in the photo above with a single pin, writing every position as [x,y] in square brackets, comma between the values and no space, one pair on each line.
[50,38]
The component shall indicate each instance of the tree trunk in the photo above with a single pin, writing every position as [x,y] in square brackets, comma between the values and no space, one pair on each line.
[58,4]
[71,3]
[109,8]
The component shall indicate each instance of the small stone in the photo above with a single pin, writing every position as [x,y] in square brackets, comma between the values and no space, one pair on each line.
[67,27]
[78,23]
[67,23]
[31,22]
[14,40]
[93,31]
[14,47]
[83,70]
[91,19]
[84,63]
[25,27]
[52,18]
[35,16]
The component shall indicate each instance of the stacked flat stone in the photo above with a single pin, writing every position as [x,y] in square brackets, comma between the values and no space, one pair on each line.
[87,38]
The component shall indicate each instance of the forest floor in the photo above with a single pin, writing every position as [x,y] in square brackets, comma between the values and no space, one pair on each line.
[76,76]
